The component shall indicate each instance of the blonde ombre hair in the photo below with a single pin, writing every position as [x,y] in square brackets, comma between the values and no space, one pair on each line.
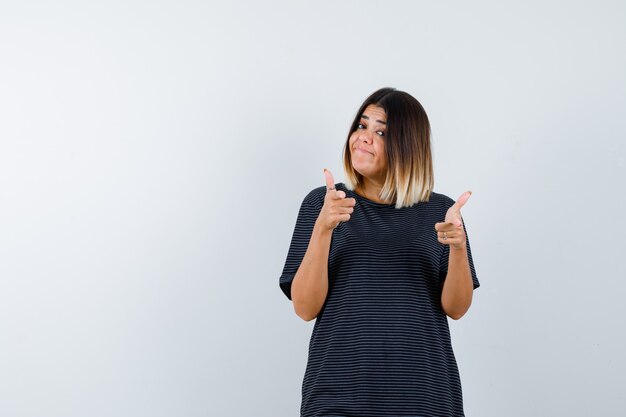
[407,147]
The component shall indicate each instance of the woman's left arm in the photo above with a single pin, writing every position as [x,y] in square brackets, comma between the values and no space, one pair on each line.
[456,295]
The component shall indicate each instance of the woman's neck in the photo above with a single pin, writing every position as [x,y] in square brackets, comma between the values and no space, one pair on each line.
[370,190]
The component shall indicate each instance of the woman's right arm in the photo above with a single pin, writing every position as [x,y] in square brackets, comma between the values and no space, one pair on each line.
[310,284]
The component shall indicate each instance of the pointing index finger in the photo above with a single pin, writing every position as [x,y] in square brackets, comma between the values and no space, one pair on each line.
[330,181]
[460,202]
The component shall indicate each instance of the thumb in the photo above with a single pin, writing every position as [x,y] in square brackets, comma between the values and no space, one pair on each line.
[330,181]
[453,217]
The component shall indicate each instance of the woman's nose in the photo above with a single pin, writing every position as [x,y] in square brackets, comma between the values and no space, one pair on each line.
[365,136]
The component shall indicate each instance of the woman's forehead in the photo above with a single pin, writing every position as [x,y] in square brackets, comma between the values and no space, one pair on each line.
[374,112]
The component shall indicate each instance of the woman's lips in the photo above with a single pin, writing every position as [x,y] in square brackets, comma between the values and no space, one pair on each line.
[361,150]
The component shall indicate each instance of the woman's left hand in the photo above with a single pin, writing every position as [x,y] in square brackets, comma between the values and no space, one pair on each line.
[451,231]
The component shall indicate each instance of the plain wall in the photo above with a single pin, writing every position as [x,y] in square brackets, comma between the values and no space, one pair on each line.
[153,157]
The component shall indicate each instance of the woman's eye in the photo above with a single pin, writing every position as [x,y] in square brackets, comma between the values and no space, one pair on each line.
[381,133]
[360,126]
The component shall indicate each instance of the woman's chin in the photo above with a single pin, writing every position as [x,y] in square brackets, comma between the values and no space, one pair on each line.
[365,172]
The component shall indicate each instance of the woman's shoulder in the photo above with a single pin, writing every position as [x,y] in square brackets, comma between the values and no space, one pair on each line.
[315,197]
[440,199]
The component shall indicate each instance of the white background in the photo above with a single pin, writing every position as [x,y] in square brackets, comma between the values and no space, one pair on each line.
[153,156]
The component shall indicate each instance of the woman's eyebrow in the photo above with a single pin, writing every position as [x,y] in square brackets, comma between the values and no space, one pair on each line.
[379,121]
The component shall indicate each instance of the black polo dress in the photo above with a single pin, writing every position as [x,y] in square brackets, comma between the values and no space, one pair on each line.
[381,344]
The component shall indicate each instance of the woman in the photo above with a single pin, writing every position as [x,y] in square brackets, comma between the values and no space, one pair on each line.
[381,262]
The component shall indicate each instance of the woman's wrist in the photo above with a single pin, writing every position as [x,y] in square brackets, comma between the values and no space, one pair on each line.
[320,230]
[458,247]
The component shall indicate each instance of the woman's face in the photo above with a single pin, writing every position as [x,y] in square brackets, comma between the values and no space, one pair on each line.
[367,144]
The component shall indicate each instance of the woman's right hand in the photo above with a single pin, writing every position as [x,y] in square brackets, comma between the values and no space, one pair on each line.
[337,208]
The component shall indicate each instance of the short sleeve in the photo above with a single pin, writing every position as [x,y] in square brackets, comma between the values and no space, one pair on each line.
[443,263]
[309,211]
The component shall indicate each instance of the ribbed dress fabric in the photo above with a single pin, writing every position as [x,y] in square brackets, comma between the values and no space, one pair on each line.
[381,344]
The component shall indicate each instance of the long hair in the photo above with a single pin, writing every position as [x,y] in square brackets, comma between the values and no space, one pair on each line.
[407,148]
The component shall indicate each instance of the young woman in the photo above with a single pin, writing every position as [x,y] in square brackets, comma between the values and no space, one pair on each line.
[380,262]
